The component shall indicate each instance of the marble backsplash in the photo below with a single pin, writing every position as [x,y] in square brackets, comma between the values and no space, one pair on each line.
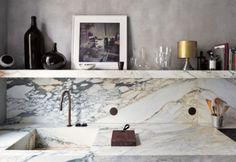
[137,100]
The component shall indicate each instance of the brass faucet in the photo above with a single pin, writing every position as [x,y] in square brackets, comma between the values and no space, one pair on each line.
[61,105]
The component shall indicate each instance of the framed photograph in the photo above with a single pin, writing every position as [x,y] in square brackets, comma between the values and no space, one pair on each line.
[99,41]
[222,53]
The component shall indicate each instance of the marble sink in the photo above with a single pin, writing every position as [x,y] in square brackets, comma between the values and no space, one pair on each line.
[57,139]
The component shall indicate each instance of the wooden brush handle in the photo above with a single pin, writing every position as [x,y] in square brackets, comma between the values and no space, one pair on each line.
[209,103]
[218,101]
[224,110]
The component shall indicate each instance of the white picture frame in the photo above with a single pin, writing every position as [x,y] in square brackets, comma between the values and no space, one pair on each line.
[78,49]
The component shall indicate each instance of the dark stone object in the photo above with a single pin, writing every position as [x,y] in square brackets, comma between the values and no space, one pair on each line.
[53,59]
[123,138]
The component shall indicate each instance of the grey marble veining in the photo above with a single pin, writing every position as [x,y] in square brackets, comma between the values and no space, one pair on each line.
[138,100]
[37,100]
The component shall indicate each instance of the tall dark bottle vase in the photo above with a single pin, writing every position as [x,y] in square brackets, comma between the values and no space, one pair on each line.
[34,46]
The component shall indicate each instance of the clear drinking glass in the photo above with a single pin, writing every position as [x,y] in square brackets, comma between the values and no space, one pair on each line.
[133,62]
[141,62]
[163,57]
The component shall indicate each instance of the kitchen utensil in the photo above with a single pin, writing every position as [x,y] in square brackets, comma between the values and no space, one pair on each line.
[126,127]
[123,137]
[218,110]
[209,103]
[218,103]
[214,110]
[223,111]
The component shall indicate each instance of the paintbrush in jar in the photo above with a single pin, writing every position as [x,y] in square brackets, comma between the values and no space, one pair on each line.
[218,103]
[209,104]
[224,110]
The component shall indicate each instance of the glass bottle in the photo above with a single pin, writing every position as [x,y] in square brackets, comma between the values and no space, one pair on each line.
[201,62]
[212,61]
[34,46]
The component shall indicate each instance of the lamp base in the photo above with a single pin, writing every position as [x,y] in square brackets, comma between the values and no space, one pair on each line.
[187,65]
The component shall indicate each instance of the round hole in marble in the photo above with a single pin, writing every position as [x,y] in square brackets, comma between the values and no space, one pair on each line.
[113,111]
[192,111]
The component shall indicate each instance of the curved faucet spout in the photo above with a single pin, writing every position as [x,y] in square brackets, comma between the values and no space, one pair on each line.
[69,107]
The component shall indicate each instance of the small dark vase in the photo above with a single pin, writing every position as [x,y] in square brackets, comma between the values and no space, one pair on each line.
[53,59]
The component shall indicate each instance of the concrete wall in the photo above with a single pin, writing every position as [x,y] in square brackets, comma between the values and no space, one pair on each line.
[3,16]
[151,22]
[3,93]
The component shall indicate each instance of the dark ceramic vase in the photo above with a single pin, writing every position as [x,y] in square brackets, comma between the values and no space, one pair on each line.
[53,59]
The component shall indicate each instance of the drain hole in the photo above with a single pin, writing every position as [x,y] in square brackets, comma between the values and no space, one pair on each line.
[113,111]
[192,111]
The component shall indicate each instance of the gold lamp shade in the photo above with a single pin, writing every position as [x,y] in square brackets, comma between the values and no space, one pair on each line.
[186,50]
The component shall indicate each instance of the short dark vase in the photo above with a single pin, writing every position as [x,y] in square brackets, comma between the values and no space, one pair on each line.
[53,60]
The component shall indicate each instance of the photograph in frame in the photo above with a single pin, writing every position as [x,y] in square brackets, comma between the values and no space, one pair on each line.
[99,41]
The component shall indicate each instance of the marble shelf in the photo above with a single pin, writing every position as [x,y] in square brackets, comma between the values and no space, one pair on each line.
[115,74]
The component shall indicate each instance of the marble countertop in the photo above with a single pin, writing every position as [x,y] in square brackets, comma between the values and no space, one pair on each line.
[169,139]
[154,140]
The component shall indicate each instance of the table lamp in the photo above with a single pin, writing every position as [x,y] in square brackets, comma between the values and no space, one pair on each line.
[187,50]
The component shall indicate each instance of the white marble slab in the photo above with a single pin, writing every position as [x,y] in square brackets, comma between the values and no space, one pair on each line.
[159,107]
[137,100]
[9,137]
[77,139]
[168,139]
[181,142]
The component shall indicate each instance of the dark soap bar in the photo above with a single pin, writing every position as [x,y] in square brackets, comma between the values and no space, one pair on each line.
[123,138]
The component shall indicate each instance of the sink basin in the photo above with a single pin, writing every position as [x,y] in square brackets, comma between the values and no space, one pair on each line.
[56,139]
[231,133]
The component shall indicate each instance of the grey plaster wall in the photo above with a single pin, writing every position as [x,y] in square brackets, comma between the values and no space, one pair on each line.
[151,22]
[3,16]
[3,93]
